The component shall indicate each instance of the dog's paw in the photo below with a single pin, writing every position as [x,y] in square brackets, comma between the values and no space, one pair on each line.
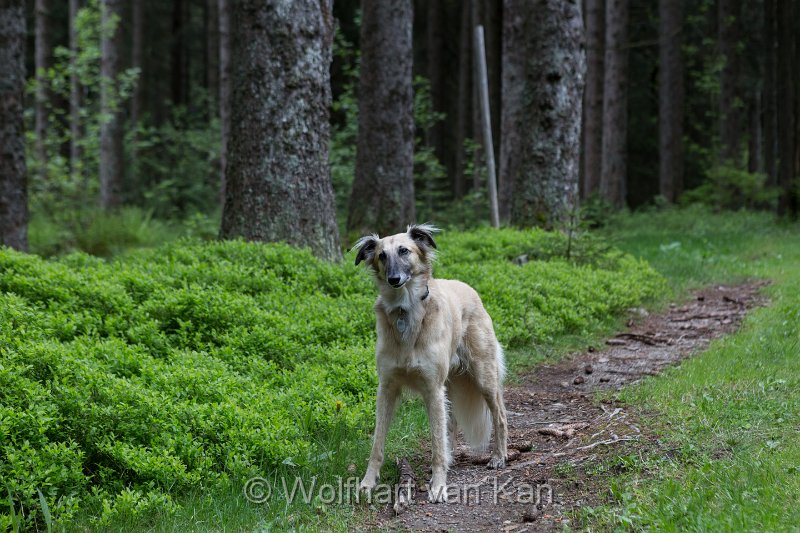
[367,484]
[495,463]
[437,493]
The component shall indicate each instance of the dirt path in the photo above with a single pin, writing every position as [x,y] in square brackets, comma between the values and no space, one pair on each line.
[555,426]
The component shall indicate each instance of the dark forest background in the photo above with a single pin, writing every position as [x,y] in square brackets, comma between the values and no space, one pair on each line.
[129,106]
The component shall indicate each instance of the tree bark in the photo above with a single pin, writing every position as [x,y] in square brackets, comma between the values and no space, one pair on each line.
[13,181]
[493,25]
[137,50]
[670,100]
[730,113]
[543,76]
[593,97]
[224,91]
[178,53]
[212,57]
[111,132]
[382,198]
[770,122]
[279,184]
[435,44]
[787,103]
[42,55]
[615,104]
[75,97]
[464,106]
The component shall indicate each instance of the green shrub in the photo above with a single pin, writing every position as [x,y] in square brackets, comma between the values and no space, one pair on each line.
[126,382]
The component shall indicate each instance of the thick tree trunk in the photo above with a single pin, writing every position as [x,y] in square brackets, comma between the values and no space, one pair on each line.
[543,75]
[787,104]
[13,181]
[770,122]
[593,97]
[615,104]
[382,199]
[111,132]
[730,114]
[279,184]
[42,55]
[224,91]
[75,97]
[670,100]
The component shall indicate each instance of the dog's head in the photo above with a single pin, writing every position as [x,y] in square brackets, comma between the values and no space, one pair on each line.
[397,259]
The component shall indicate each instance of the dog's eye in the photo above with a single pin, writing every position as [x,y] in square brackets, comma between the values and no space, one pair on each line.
[403,251]
[382,256]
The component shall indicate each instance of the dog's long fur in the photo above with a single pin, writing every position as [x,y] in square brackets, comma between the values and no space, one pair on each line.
[436,338]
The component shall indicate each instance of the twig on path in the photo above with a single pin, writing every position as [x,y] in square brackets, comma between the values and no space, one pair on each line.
[607,442]
[405,486]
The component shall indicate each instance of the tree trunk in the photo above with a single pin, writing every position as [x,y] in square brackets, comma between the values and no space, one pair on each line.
[464,106]
[543,75]
[670,100]
[754,136]
[177,53]
[786,100]
[13,181]
[478,157]
[224,91]
[770,122]
[730,115]
[615,104]
[435,44]
[42,59]
[279,184]
[212,57]
[382,199]
[111,132]
[137,50]
[593,97]
[75,97]
[493,25]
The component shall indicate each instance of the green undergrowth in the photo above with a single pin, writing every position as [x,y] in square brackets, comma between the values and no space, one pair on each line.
[728,451]
[138,392]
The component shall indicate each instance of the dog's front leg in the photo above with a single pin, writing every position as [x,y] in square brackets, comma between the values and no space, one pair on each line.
[384,410]
[436,405]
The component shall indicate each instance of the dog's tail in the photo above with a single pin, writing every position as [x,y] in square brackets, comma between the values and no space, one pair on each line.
[469,407]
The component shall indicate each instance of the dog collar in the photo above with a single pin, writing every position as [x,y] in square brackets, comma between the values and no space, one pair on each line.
[427,292]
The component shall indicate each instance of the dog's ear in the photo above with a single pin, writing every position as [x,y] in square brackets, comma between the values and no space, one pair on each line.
[366,248]
[422,234]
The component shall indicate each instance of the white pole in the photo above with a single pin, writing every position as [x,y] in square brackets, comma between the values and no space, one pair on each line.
[488,143]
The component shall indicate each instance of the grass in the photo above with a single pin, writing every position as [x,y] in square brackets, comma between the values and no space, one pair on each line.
[727,421]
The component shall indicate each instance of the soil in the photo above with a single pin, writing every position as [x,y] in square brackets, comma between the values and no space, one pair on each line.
[559,432]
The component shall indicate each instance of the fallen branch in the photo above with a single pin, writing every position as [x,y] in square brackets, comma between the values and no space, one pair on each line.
[607,442]
[644,339]
[406,485]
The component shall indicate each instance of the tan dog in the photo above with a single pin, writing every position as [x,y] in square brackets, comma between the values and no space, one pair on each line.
[436,338]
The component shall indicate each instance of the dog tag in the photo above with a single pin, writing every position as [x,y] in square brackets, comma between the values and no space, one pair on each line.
[401,324]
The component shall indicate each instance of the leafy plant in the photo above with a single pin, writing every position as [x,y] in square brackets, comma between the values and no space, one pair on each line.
[125,383]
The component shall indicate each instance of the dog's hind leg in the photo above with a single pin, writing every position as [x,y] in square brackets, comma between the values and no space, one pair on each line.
[384,411]
[494,399]
[452,428]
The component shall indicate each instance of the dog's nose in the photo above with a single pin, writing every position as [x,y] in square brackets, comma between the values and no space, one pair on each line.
[394,280]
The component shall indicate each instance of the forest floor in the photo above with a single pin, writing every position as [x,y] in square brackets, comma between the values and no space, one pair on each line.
[566,432]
